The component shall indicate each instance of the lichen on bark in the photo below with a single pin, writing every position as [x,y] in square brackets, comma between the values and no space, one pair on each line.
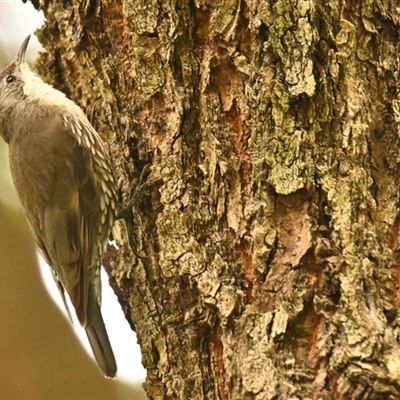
[270,217]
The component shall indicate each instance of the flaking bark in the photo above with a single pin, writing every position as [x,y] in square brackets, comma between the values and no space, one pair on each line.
[270,216]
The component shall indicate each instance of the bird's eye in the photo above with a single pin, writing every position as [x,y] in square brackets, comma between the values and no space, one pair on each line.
[10,79]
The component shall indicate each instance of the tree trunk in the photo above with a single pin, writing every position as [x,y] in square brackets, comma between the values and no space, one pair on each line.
[261,261]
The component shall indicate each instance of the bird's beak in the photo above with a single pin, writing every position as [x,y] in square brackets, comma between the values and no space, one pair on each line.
[22,50]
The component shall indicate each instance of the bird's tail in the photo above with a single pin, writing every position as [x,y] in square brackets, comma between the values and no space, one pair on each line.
[98,338]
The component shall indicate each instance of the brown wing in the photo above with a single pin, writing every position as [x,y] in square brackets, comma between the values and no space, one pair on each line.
[69,221]
[59,193]
[67,190]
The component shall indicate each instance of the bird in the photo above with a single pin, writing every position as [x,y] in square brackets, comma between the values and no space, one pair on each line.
[67,189]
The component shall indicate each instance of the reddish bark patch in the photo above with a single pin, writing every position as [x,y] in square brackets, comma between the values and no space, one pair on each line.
[217,356]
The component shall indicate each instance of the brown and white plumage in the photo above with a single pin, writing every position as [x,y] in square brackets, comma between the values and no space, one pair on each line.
[67,190]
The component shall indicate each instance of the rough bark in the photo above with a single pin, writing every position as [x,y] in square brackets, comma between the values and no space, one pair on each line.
[270,216]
